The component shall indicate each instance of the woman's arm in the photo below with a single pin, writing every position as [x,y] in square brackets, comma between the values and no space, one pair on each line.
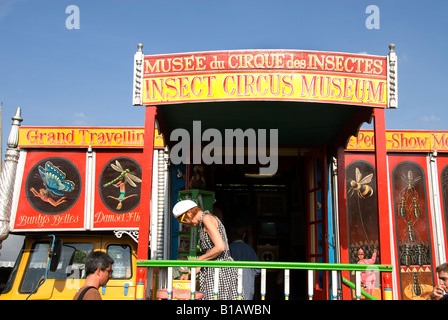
[211,227]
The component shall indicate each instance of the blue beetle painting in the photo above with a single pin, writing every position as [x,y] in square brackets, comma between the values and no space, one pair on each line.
[54,179]
[53,185]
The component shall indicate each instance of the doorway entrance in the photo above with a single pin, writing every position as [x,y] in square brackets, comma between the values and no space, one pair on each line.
[273,210]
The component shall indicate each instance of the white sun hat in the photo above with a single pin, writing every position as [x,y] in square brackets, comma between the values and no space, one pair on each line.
[182,206]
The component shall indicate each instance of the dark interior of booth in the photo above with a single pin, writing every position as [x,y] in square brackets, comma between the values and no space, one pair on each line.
[273,211]
[272,207]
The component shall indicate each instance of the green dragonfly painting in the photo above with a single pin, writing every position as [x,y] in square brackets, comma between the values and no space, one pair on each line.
[125,176]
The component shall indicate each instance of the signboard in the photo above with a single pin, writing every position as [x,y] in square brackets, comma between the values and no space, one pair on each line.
[64,186]
[286,75]
[117,190]
[96,137]
[52,192]
[402,140]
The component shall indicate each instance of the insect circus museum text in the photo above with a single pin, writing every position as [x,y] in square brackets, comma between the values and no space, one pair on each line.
[265,85]
[264,60]
[270,75]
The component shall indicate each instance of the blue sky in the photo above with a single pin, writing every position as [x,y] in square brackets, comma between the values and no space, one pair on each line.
[83,76]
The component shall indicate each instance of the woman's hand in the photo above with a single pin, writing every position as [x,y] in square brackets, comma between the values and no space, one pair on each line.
[198,269]
[185,276]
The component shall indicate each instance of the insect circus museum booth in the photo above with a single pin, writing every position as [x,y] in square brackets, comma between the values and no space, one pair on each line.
[258,137]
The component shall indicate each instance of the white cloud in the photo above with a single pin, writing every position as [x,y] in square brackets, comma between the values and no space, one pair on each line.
[6,7]
[80,119]
[431,118]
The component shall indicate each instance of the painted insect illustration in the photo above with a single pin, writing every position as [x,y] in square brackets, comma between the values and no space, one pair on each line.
[409,207]
[120,182]
[54,180]
[124,174]
[417,286]
[410,181]
[414,252]
[402,207]
[421,256]
[360,185]
[409,192]
[406,255]
[410,233]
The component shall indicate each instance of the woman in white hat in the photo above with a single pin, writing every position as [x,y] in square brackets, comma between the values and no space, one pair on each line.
[213,243]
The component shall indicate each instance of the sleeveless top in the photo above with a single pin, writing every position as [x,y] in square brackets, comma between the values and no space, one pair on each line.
[206,244]
[228,277]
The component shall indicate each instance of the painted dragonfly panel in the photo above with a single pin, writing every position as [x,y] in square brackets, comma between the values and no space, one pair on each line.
[120,184]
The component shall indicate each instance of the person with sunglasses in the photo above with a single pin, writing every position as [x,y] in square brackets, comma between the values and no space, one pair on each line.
[214,245]
[98,272]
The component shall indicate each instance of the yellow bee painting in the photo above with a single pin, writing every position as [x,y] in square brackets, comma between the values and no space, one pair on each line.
[359,185]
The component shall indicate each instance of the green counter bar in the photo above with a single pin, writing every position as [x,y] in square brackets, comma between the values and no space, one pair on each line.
[265,265]
[353,286]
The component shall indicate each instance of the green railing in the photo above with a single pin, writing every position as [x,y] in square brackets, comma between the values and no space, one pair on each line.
[353,286]
[335,269]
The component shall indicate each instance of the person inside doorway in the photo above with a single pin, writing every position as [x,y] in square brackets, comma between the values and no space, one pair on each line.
[440,291]
[214,245]
[241,251]
[368,277]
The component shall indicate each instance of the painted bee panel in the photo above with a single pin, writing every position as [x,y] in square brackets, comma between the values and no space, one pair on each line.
[362,215]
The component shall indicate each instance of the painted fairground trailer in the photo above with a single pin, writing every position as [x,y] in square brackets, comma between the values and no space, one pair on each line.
[259,137]
[69,191]
[418,194]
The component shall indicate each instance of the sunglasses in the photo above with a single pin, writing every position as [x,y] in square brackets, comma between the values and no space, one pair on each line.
[109,271]
[182,218]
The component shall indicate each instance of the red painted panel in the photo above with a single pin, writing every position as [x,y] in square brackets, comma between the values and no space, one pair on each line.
[362,218]
[118,178]
[413,230]
[52,191]
[442,171]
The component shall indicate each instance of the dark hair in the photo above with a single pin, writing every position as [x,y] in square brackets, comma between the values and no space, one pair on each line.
[442,268]
[97,259]
[238,230]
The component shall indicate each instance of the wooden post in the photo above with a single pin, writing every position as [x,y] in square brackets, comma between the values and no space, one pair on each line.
[382,187]
[342,212]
